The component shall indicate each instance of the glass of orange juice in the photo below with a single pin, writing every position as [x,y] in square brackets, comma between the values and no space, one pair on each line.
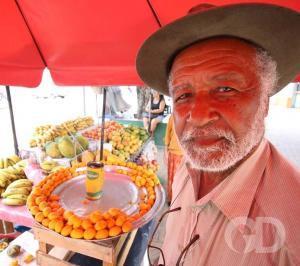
[94,180]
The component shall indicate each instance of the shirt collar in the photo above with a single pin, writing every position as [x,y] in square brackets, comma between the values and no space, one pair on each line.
[234,196]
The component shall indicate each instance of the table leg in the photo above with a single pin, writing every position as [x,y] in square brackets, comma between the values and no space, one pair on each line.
[1,227]
[8,227]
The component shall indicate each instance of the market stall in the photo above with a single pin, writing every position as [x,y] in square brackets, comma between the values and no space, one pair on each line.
[65,149]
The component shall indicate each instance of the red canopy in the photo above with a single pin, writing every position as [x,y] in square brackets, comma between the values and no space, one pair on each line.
[84,42]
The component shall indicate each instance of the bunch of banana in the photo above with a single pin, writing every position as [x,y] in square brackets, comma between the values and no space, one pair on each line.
[9,161]
[48,166]
[17,192]
[11,173]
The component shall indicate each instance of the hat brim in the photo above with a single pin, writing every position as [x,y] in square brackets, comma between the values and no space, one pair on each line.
[273,28]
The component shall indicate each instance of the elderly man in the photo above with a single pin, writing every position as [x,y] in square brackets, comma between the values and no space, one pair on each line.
[235,198]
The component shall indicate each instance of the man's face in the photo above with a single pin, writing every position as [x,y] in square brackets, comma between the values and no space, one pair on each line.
[219,108]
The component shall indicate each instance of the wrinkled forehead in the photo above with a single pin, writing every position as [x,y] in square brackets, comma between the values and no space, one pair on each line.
[218,48]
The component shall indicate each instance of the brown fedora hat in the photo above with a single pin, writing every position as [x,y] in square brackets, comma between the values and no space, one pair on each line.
[274,28]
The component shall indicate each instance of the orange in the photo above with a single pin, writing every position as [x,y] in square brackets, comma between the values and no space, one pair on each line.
[45,222]
[46,211]
[115,231]
[67,229]
[39,217]
[86,223]
[77,233]
[89,233]
[102,224]
[59,226]
[127,227]
[101,234]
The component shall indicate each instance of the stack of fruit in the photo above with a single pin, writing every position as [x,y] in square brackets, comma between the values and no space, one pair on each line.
[50,166]
[127,141]
[12,173]
[17,192]
[109,127]
[46,133]
[78,124]
[9,161]
[67,146]
[46,208]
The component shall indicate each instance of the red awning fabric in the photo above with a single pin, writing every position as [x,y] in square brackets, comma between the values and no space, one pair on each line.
[84,42]
[20,62]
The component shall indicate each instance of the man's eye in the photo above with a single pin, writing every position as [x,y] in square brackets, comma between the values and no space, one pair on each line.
[182,97]
[225,89]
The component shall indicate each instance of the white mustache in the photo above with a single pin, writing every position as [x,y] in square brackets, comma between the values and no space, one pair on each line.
[208,132]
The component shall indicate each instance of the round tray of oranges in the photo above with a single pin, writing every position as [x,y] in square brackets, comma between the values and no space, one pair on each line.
[132,196]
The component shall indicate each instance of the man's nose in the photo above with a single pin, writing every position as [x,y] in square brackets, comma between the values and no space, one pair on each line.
[202,112]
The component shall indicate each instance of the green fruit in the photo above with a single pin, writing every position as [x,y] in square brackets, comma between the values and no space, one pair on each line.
[52,150]
[66,147]
[83,142]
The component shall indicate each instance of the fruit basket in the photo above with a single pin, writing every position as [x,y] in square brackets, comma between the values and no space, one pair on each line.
[132,196]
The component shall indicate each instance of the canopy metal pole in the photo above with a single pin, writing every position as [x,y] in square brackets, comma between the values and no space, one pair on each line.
[102,124]
[12,120]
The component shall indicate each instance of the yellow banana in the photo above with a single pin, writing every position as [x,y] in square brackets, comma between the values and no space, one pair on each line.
[22,163]
[17,196]
[5,163]
[11,191]
[13,202]
[14,158]
[1,163]
[20,183]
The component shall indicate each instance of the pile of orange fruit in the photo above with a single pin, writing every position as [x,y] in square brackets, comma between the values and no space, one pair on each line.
[46,209]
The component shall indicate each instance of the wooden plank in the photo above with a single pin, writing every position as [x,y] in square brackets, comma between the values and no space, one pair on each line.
[88,248]
[43,259]
[124,252]
[61,253]
[44,247]
[119,245]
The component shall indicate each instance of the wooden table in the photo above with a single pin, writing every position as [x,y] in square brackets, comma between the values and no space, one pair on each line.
[56,250]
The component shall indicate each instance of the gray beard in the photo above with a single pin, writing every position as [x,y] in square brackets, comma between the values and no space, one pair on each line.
[228,152]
